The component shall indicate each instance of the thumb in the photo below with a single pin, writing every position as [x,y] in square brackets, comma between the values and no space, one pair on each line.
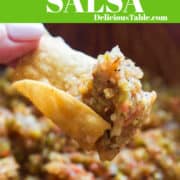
[18,39]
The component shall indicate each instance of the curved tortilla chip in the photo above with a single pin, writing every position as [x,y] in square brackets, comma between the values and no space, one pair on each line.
[85,125]
[57,63]
[110,85]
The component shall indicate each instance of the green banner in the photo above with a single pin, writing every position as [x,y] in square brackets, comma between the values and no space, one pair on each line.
[90,11]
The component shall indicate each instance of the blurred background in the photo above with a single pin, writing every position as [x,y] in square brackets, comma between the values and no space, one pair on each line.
[155,47]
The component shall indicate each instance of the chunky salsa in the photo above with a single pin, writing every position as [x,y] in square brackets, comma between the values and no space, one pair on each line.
[32,148]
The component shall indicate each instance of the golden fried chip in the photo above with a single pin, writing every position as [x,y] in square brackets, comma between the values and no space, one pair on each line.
[57,63]
[110,85]
[85,125]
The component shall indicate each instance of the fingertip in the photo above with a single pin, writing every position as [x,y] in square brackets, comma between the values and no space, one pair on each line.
[3,32]
[10,50]
[23,32]
[17,40]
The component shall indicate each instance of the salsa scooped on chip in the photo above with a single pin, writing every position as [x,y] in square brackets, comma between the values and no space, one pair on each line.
[99,102]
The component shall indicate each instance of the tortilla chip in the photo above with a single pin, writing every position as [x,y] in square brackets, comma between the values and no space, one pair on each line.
[85,125]
[56,63]
[110,85]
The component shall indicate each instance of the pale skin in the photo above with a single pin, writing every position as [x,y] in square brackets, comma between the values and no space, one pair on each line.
[17,40]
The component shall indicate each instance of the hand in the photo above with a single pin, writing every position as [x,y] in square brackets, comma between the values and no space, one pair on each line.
[18,39]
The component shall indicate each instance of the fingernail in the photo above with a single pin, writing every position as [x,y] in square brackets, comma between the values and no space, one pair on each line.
[2,31]
[25,31]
